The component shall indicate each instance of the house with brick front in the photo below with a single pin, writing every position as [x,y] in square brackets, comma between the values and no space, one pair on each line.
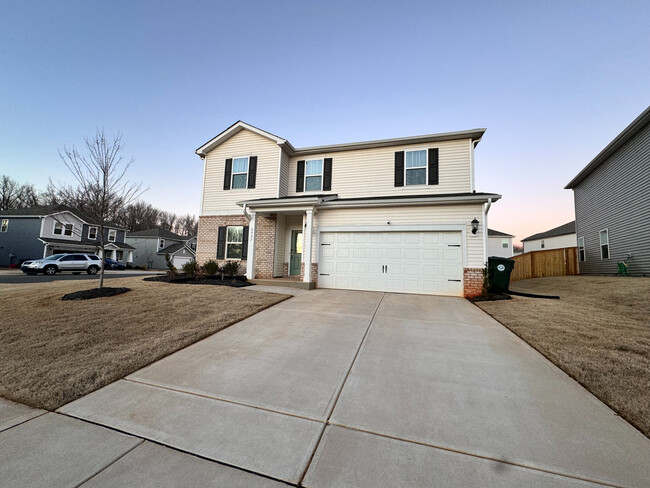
[398,215]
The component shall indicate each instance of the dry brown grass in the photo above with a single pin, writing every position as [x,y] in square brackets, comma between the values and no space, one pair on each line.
[53,351]
[598,333]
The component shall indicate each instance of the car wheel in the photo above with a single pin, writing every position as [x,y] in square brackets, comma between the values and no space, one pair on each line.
[93,270]
[49,270]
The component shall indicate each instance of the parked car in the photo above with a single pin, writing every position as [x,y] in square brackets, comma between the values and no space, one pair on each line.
[63,262]
[112,264]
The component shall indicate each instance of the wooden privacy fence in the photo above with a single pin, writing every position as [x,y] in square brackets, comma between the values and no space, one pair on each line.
[550,262]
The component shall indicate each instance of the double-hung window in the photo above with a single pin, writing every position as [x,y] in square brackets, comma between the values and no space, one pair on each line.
[582,255]
[234,242]
[161,243]
[416,167]
[239,173]
[604,244]
[542,245]
[112,235]
[92,233]
[5,225]
[62,229]
[504,243]
[314,175]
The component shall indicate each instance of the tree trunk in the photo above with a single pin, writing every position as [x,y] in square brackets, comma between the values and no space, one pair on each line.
[103,256]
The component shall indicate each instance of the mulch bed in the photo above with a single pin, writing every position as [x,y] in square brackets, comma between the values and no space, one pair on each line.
[95,293]
[234,281]
[490,297]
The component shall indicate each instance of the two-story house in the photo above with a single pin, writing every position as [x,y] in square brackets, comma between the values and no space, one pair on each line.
[397,215]
[152,245]
[36,232]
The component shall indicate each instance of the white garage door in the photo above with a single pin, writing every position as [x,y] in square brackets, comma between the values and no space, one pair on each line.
[179,261]
[407,262]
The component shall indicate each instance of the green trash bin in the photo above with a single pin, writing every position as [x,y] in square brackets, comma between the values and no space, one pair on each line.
[499,270]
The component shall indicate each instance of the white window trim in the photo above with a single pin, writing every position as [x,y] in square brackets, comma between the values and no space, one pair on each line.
[322,174]
[232,172]
[54,229]
[225,255]
[506,242]
[426,166]
[63,229]
[161,243]
[542,244]
[600,245]
[112,232]
[96,232]
[583,248]
[4,225]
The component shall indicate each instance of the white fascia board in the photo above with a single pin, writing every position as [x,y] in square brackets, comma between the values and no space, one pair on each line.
[231,131]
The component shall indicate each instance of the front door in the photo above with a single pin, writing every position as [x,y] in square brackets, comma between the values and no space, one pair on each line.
[296,252]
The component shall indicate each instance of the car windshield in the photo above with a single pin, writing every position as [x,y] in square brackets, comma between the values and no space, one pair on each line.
[54,257]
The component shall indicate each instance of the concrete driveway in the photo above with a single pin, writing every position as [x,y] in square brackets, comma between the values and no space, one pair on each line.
[360,389]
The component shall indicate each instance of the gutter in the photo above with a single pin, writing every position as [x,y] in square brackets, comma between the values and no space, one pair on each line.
[486,209]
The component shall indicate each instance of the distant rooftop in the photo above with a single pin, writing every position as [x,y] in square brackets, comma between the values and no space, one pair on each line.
[569,228]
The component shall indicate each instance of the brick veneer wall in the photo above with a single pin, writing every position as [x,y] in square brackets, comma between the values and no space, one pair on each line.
[314,273]
[206,241]
[265,246]
[473,281]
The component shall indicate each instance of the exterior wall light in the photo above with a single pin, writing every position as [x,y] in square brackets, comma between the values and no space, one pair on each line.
[474,226]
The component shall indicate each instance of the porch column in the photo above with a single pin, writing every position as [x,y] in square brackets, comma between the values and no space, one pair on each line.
[129,256]
[250,259]
[306,244]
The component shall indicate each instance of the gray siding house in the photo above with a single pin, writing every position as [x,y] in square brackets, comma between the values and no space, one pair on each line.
[612,204]
[151,246]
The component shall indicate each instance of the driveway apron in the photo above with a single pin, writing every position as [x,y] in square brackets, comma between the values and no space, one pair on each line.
[364,389]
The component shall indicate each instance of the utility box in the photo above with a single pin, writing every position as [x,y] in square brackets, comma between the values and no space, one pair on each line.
[499,270]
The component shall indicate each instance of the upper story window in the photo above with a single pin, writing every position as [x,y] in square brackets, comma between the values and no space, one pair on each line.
[416,167]
[234,242]
[504,243]
[604,244]
[314,175]
[542,244]
[92,232]
[112,235]
[193,246]
[582,255]
[4,225]
[62,229]
[161,243]
[240,173]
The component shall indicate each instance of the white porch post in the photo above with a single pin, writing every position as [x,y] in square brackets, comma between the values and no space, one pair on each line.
[306,244]
[250,259]
[129,256]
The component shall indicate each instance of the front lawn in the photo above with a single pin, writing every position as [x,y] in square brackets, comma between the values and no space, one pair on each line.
[54,351]
[598,333]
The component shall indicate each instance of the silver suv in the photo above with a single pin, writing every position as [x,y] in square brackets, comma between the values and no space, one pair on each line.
[63,262]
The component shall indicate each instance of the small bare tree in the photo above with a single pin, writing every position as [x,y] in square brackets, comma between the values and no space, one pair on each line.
[101,176]
[14,195]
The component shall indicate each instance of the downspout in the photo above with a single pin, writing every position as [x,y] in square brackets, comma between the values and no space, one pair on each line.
[486,209]
[246,214]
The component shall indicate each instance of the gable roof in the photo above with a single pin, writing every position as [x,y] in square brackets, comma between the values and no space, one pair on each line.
[174,248]
[45,210]
[568,228]
[473,134]
[630,131]
[158,233]
[496,233]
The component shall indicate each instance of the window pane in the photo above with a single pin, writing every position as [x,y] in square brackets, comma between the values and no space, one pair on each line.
[233,251]
[239,181]
[68,229]
[58,229]
[604,250]
[416,176]
[416,159]
[312,183]
[603,238]
[235,234]
[240,165]
[314,167]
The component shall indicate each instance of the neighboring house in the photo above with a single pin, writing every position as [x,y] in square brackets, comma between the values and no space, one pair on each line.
[500,244]
[36,232]
[396,215]
[556,238]
[151,246]
[612,203]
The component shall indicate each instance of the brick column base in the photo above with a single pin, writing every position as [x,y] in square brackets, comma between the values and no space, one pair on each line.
[314,273]
[473,282]
[265,246]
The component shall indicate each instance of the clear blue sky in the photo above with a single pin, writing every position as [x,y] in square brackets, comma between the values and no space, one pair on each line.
[553,82]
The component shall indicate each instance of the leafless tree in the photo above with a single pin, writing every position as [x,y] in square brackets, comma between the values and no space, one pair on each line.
[167,220]
[101,179]
[14,195]
[138,216]
[187,225]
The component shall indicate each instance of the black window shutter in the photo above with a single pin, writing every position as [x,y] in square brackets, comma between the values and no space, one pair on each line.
[327,175]
[244,246]
[252,171]
[221,243]
[227,174]
[300,176]
[399,168]
[433,166]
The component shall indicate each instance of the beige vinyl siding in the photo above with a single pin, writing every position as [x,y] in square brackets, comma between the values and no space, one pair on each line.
[371,172]
[216,200]
[284,175]
[557,242]
[355,219]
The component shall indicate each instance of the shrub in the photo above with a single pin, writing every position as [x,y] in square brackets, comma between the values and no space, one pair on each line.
[486,280]
[171,269]
[211,267]
[230,268]
[190,268]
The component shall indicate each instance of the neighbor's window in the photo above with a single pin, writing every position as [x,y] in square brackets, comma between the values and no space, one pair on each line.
[416,167]
[239,173]
[92,233]
[314,175]
[504,243]
[119,255]
[4,225]
[604,244]
[193,246]
[542,245]
[62,229]
[161,244]
[112,235]
[582,255]
[234,242]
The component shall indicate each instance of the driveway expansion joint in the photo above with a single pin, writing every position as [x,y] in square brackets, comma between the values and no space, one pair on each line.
[110,464]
